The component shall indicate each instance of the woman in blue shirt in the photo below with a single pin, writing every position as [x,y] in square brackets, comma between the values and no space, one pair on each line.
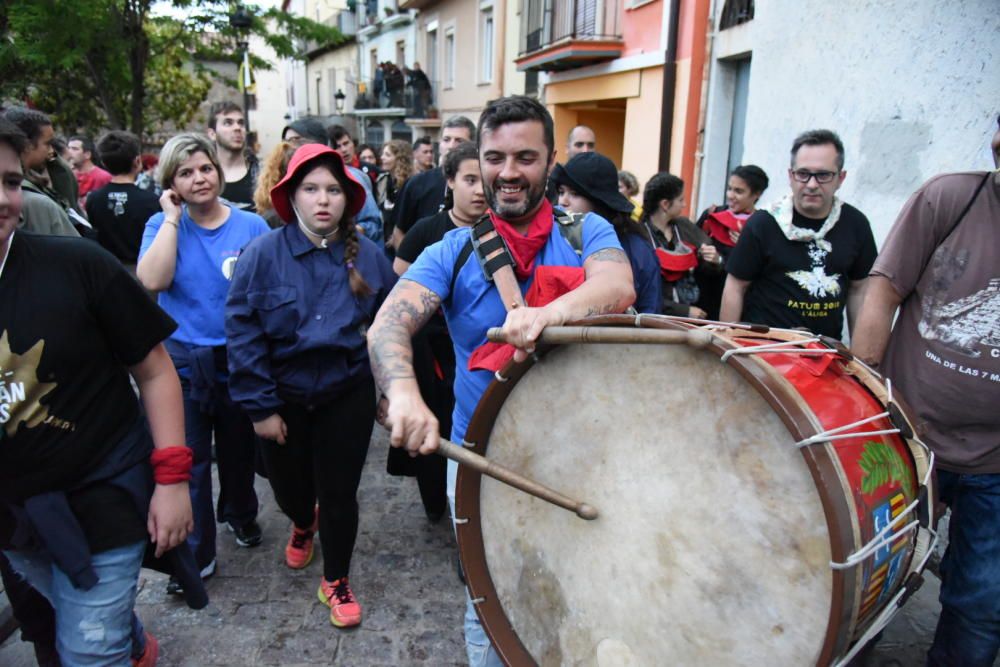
[588,183]
[187,255]
[298,310]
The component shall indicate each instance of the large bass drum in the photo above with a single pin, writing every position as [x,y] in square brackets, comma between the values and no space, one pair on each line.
[763,501]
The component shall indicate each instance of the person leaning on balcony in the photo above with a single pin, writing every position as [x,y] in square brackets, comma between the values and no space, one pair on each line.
[423,195]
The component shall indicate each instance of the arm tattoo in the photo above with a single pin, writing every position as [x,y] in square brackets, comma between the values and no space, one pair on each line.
[405,311]
[609,255]
[606,309]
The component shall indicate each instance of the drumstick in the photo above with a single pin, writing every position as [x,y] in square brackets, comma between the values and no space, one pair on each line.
[569,335]
[481,464]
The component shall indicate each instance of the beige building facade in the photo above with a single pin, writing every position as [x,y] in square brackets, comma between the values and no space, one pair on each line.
[462,47]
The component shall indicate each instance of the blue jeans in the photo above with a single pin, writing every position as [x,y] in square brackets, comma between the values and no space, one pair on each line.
[477,644]
[235,444]
[97,626]
[968,631]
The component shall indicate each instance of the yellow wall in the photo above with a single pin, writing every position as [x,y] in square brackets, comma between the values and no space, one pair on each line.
[629,135]
[680,116]
[609,126]
[641,149]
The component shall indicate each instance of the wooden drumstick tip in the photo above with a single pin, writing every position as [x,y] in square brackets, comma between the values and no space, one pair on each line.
[586,512]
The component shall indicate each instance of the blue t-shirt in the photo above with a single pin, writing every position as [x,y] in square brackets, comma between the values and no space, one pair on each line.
[476,306]
[206,259]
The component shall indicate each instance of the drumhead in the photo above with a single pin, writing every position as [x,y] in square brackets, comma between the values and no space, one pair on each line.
[711,547]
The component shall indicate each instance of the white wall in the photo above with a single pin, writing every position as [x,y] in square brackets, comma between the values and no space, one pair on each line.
[911,86]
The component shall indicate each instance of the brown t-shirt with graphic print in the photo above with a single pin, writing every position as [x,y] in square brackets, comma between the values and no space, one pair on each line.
[944,352]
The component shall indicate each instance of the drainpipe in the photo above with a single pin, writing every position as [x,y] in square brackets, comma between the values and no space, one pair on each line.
[669,85]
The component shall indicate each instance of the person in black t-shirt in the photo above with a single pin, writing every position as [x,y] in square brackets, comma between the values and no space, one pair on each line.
[227,128]
[423,194]
[723,225]
[433,352]
[803,260]
[77,500]
[119,210]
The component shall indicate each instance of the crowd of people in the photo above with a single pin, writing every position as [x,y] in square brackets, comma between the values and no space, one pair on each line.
[330,285]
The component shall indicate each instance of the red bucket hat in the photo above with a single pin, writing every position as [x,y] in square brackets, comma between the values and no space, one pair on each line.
[301,161]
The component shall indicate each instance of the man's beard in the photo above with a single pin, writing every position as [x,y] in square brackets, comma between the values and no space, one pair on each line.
[534,197]
[225,143]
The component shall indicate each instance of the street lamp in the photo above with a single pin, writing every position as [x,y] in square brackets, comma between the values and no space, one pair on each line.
[241,20]
[338,99]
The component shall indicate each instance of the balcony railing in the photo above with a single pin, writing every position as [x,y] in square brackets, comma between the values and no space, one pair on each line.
[401,93]
[548,22]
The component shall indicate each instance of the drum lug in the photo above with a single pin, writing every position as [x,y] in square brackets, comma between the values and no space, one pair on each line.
[899,421]
[478,600]
[910,586]
[924,508]
[840,348]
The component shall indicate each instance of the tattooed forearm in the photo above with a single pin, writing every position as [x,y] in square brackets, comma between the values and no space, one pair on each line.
[405,311]
[609,255]
[605,309]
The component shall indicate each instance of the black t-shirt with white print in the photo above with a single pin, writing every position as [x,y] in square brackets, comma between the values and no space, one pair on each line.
[71,322]
[119,212]
[802,283]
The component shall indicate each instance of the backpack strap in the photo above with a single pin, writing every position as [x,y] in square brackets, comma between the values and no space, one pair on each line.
[494,259]
[571,227]
[961,216]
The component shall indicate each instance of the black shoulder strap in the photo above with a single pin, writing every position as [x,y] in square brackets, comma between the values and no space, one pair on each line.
[468,248]
[961,216]
[972,200]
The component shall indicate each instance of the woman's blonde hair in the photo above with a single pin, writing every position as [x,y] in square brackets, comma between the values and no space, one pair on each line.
[181,147]
[271,171]
[403,168]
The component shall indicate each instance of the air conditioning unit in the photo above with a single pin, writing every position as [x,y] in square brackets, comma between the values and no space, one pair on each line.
[347,23]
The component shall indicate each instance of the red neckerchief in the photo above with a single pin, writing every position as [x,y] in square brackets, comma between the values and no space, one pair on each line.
[674,265]
[355,161]
[719,224]
[524,249]
[550,283]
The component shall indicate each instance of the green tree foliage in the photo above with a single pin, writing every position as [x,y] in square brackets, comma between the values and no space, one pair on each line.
[110,63]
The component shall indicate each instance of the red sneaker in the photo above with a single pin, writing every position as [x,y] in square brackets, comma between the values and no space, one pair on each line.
[149,656]
[299,551]
[345,612]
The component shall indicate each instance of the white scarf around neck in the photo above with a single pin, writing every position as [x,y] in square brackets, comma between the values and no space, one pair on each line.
[782,211]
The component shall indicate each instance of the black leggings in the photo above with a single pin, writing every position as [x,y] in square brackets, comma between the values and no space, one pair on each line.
[322,459]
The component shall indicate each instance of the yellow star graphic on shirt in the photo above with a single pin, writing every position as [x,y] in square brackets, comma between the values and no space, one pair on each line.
[21,391]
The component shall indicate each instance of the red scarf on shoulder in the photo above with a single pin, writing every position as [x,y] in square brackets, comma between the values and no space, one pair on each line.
[523,248]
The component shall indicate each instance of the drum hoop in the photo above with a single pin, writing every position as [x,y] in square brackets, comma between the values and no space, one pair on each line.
[793,412]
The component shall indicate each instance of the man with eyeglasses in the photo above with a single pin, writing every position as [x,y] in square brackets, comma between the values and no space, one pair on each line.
[803,260]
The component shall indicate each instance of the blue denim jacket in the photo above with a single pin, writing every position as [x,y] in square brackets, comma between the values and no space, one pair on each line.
[295,333]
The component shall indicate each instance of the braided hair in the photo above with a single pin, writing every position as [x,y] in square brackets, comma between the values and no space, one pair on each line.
[352,245]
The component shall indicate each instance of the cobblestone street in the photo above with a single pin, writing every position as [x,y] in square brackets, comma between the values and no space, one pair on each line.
[263,613]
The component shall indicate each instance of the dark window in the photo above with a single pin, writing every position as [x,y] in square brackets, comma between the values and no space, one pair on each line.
[735,12]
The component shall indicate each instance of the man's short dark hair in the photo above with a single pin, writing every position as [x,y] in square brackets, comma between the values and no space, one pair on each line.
[456,156]
[118,150]
[517,109]
[337,132]
[29,121]
[87,143]
[220,109]
[461,122]
[819,138]
[755,177]
[11,135]
[423,140]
